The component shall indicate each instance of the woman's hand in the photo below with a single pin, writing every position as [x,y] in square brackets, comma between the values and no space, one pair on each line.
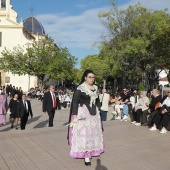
[136,108]
[164,111]
[74,116]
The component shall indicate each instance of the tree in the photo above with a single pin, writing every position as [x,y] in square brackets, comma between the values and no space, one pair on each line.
[40,59]
[99,67]
[76,75]
[161,48]
[132,34]
[141,87]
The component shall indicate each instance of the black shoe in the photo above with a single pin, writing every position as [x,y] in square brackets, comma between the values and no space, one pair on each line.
[87,163]
[16,128]
[12,126]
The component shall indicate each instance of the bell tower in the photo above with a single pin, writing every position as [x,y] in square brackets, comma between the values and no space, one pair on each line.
[6,9]
[5,5]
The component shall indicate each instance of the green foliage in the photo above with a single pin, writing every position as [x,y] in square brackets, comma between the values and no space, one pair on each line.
[136,35]
[141,87]
[76,75]
[99,67]
[40,59]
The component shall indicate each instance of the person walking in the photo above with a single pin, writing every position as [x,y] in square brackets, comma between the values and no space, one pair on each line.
[7,90]
[24,110]
[20,93]
[14,117]
[85,131]
[3,108]
[50,104]
[104,98]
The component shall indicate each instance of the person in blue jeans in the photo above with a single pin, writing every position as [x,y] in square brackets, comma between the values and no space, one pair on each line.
[104,99]
[125,98]
[125,111]
[103,115]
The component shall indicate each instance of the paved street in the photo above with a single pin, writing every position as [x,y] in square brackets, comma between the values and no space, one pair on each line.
[42,148]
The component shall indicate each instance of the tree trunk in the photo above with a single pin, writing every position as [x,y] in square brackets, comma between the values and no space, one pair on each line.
[104,84]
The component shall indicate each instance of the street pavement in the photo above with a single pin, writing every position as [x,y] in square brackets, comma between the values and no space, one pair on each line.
[40,147]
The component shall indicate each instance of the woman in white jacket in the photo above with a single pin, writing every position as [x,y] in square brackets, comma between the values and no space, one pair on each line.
[140,107]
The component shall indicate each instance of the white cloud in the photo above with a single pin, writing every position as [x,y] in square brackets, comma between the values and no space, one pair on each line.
[82,31]
[151,4]
[73,31]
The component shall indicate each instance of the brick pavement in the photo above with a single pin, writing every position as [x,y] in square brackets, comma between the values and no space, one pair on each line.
[42,148]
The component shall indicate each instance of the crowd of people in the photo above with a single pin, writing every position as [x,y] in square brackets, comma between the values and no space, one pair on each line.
[143,110]
[18,108]
[64,96]
[89,106]
[11,96]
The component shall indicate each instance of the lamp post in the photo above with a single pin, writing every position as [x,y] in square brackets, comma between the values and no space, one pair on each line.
[124,74]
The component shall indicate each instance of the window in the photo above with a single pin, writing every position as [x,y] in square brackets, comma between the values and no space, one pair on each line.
[0,39]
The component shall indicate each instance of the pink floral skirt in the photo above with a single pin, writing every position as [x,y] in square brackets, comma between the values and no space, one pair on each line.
[86,138]
[2,119]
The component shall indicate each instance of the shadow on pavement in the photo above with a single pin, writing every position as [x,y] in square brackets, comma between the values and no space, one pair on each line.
[99,166]
[64,124]
[41,124]
[7,128]
[33,119]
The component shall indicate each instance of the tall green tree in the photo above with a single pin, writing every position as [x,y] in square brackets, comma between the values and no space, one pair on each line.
[99,67]
[133,33]
[76,75]
[41,59]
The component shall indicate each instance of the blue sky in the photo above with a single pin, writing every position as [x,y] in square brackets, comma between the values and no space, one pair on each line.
[75,23]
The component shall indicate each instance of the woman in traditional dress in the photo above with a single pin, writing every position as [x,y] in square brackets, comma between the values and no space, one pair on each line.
[85,132]
[3,108]
[14,117]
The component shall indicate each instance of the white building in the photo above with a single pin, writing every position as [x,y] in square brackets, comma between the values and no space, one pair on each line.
[13,34]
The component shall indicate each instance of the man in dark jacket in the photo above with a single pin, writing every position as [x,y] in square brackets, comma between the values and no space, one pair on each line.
[156,99]
[50,104]
[24,110]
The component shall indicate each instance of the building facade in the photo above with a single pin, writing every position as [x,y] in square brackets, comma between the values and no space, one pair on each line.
[14,33]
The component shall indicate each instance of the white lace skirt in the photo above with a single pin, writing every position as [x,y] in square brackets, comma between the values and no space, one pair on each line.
[86,138]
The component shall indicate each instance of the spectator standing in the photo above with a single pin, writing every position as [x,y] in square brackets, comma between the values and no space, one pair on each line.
[104,99]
